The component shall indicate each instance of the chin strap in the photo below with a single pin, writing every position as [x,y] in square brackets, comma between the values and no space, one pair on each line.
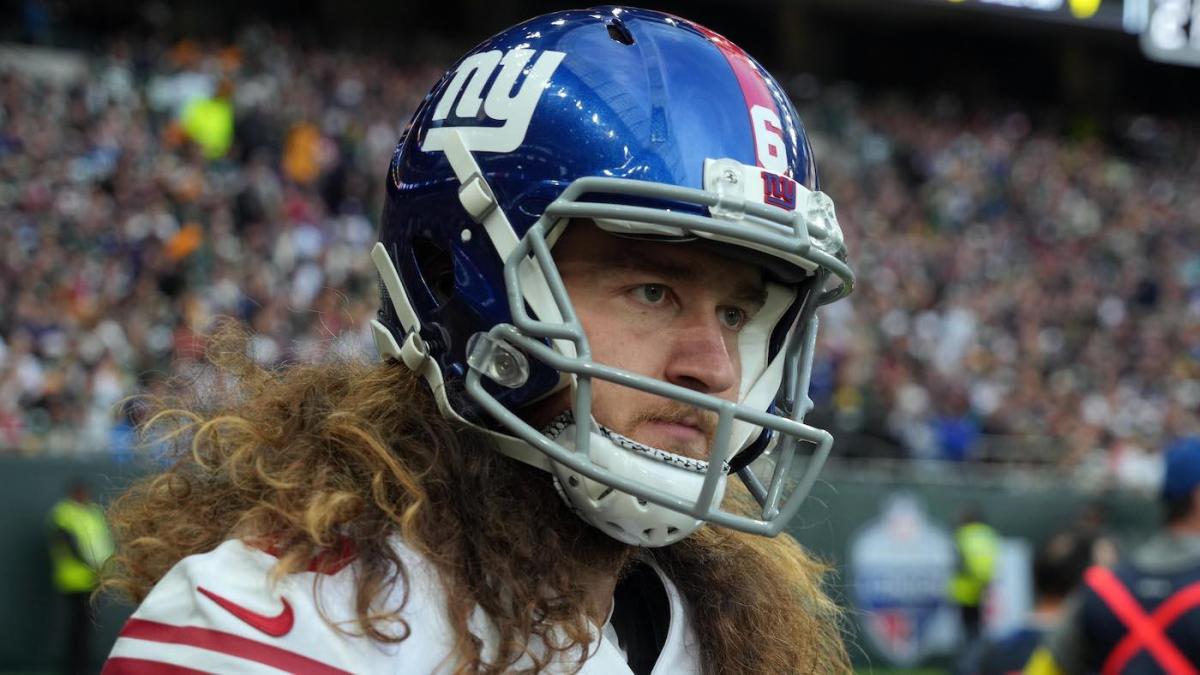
[566,420]
[519,450]
[629,517]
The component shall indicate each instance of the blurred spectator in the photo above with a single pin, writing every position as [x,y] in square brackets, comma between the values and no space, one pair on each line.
[976,551]
[1092,527]
[208,122]
[1057,569]
[1144,615]
[79,544]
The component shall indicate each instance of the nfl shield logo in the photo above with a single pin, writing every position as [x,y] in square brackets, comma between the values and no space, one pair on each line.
[899,566]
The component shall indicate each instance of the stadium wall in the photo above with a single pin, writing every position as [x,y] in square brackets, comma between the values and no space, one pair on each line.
[30,617]
[847,503]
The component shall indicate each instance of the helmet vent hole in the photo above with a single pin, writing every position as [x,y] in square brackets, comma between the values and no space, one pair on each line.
[672,530]
[619,32]
[614,526]
[605,493]
[573,481]
[648,532]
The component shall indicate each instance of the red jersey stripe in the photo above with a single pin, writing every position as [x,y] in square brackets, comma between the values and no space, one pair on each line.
[329,561]
[226,643]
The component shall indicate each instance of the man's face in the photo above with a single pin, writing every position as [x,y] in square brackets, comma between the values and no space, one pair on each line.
[671,312]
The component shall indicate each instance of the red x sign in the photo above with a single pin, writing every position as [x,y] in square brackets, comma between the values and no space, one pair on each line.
[1145,631]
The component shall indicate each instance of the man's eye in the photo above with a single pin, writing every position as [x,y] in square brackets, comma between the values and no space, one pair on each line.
[651,293]
[733,317]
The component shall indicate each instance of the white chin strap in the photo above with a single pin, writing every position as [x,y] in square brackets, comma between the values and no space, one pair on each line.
[622,516]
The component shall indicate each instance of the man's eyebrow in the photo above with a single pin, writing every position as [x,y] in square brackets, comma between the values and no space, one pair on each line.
[634,260]
[755,293]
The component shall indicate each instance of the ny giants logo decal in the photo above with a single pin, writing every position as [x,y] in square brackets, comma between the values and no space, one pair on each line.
[779,191]
[513,108]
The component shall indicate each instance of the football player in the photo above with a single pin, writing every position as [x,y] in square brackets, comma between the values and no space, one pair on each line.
[601,257]
[1142,615]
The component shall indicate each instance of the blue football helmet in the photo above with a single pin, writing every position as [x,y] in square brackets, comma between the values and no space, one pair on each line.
[651,126]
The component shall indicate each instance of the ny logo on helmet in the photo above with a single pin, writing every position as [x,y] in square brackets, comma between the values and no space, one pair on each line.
[514,109]
[779,191]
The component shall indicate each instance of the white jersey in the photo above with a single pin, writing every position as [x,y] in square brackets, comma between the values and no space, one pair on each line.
[217,612]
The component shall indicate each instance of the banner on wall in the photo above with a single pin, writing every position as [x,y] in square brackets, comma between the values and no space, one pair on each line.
[899,566]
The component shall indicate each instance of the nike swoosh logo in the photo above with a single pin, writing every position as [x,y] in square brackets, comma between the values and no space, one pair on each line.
[275,626]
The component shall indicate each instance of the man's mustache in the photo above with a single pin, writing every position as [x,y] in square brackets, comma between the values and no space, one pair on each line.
[678,413]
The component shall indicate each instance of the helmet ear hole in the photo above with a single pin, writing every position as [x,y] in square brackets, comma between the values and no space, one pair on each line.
[437,268]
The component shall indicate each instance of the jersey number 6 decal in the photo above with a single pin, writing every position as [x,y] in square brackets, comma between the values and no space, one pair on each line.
[768,140]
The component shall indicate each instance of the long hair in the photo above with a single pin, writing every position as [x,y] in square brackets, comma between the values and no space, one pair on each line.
[757,604]
[306,457]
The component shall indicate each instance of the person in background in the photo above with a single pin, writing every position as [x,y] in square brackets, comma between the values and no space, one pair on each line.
[976,548]
[1057,569]
[208,121]
[1143,616]
[79,544]
[1091,524]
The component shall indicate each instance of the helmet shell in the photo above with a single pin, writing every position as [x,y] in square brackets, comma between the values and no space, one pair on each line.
[615,92]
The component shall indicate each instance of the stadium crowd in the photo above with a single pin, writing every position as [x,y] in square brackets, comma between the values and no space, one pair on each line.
[124,238]
[1029,289]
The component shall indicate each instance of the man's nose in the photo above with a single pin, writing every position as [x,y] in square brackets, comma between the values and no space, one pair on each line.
[700,359]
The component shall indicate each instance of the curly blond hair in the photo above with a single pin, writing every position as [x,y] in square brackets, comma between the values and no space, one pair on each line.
[307,456]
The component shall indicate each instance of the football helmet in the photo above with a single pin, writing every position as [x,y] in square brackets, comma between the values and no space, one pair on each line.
[651,126]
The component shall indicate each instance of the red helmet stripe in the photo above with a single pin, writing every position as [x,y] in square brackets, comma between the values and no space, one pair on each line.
[750,79]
